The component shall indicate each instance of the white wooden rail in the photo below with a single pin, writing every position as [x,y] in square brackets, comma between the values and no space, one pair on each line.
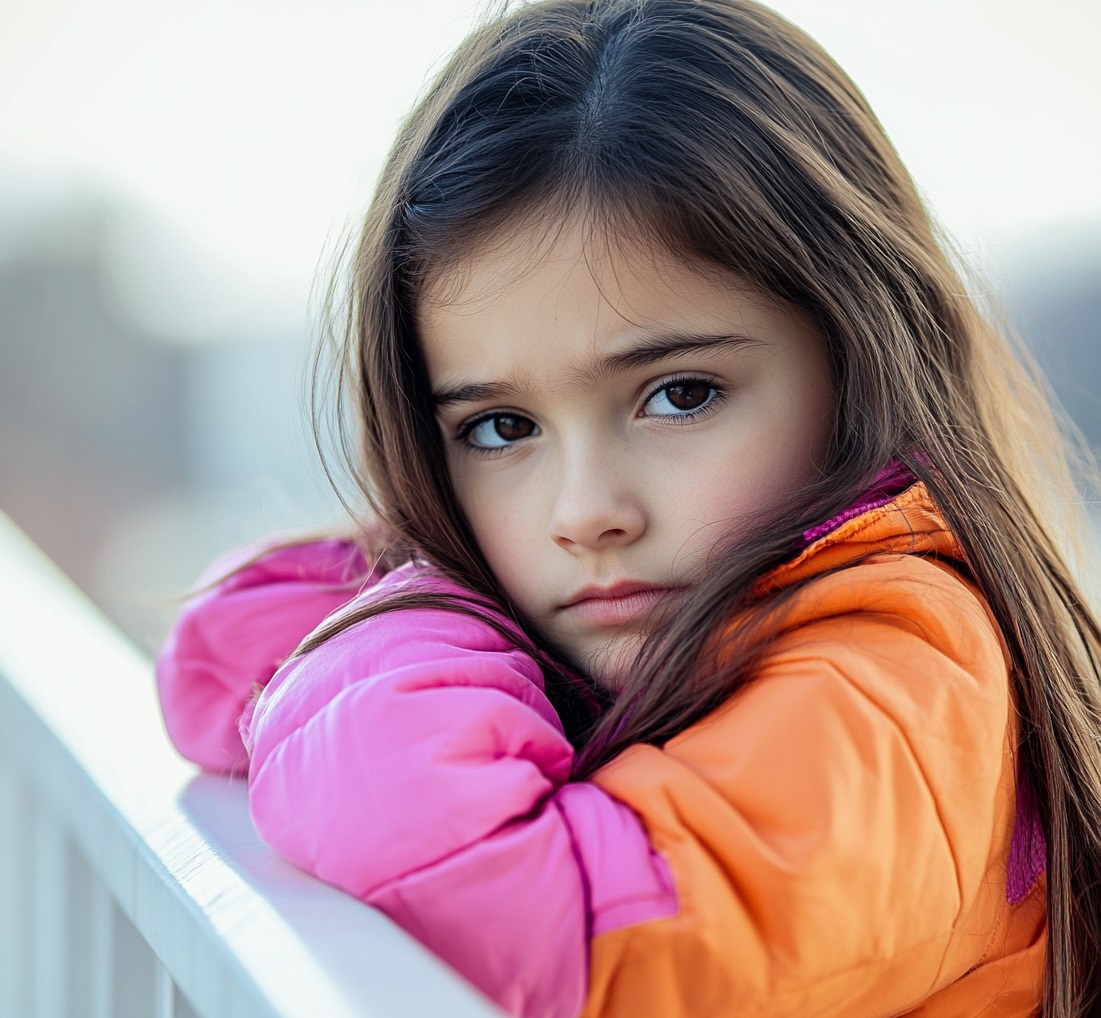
[132,886]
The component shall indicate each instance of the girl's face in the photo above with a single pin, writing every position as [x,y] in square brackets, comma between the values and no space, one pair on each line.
[610,416]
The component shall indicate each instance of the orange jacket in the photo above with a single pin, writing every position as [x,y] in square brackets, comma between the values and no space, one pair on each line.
[884,720]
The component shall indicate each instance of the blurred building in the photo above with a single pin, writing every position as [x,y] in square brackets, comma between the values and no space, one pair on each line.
[130,460]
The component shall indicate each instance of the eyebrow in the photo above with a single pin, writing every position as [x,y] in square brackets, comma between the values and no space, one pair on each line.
[648,351]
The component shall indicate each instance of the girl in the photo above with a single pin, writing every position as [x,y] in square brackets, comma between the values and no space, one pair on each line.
[707,652]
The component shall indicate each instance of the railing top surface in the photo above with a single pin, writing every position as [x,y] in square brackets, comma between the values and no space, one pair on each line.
[146,818]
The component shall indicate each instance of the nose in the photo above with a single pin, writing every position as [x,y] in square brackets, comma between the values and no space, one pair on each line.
[596,507]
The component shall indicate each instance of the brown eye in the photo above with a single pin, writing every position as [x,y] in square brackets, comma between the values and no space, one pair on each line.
[498,431]
[681,398]
[688,395]
[512,429]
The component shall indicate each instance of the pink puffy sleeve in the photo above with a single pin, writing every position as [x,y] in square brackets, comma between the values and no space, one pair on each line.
[254,607]
[415,762]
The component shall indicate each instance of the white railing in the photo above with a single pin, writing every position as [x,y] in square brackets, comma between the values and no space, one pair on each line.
[131,886]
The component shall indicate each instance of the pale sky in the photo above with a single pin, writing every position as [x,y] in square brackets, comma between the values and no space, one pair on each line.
[245,134]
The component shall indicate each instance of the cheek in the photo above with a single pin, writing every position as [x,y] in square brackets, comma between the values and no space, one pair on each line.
[501,520]
[794,433]
[753,469]
[720,501]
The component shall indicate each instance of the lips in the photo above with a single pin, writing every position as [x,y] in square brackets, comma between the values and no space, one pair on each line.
[618,604]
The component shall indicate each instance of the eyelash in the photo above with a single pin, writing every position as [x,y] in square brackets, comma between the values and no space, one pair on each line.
[717,397]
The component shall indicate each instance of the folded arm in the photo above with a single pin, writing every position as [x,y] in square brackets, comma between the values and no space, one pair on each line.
[415,762]
[807,846]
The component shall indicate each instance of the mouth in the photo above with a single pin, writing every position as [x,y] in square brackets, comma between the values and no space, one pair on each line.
[617,605]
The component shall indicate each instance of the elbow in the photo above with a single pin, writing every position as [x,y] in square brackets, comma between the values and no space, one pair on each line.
[199,714]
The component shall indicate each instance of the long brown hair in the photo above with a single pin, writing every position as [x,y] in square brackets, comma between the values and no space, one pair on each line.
[722,133]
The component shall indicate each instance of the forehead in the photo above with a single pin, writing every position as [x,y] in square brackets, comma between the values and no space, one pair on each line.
[508,259]
[573,287]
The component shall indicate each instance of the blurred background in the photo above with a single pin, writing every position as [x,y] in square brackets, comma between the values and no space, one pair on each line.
[174,179]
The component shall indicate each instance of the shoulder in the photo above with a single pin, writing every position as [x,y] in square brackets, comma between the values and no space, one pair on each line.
[896,601]
[882,710]
[855,791]
[897,644]
[890,577]
[897,650]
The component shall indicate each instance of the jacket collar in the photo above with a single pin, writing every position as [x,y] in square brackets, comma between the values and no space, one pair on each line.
[896,515]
